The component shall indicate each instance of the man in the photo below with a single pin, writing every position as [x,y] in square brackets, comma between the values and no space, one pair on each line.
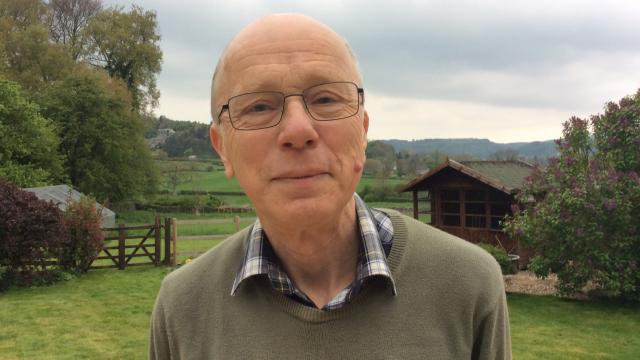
[319,275]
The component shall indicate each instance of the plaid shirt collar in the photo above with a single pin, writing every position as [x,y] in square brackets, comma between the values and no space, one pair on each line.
[376,232]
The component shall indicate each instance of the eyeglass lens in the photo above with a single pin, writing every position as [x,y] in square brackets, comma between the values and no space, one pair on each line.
[323,102]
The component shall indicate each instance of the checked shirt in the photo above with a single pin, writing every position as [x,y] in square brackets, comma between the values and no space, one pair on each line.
[376,233]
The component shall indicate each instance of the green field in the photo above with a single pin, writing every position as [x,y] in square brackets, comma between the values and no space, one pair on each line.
[209,176]
[203,176]
[105,315]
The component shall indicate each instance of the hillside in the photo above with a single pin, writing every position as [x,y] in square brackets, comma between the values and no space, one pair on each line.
[479,148]
[186,138]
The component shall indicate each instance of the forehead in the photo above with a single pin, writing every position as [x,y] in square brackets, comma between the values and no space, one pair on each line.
[286,57]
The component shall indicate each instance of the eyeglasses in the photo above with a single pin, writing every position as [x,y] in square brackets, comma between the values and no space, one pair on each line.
[324,102]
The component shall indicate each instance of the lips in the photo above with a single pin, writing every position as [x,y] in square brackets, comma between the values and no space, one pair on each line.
[299,174]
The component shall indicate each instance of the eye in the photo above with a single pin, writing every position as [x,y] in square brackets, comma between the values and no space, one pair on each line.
[260,107]
[325,99]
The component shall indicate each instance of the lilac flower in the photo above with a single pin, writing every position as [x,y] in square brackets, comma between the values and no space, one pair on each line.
[610,204]
[568,161]
[515,208]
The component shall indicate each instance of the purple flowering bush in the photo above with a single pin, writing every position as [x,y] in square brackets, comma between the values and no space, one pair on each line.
[582,212]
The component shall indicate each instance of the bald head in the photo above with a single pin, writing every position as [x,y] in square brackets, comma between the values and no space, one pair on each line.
[287,36]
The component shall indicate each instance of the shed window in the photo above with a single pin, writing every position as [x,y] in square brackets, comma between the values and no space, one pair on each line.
[475,208]
[499,204]
[450,207]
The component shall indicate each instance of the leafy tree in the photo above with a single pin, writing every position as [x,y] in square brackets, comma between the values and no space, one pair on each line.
[585,221]
[194,140]
[175,177]
[29,148]
[383,152]
[66,20]
[507,154]
[125,44]
[102,138]
[373,167]
[27,55]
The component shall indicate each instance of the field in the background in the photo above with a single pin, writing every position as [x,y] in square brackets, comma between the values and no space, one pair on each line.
[209,176]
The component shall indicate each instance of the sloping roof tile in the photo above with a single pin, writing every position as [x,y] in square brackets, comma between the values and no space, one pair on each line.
[506,176]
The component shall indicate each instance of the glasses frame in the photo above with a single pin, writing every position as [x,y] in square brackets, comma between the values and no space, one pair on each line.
[285,96]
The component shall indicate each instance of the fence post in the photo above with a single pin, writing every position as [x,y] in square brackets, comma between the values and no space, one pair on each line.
[156,257]
[167,241]
[174,239]
[236,221]
[121,248]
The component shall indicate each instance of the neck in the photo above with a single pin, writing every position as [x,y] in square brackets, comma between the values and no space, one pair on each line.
[320,260]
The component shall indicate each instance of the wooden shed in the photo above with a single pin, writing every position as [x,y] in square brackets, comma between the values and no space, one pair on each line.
[469,198]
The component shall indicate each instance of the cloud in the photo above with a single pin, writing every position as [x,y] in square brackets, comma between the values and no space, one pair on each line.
[545,57]
[402,118]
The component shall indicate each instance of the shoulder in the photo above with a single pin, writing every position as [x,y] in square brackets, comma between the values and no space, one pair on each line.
[444,261]
[210,275]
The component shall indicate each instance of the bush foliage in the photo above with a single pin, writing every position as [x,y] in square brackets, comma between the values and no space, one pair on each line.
[31,231]
[506,265]
[39,243]
[381,192]
[84,238]
[583,212]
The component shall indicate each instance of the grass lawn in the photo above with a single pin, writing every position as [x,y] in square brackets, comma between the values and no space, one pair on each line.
[550,328]
[105,315]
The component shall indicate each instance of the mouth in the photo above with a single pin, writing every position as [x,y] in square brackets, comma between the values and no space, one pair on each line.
[300,176]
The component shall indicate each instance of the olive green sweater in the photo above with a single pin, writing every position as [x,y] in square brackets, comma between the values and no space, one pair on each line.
[450,304]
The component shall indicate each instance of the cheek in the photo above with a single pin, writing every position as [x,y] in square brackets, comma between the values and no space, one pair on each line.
[349,150]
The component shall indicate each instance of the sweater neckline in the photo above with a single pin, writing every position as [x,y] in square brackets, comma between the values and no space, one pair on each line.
[313,315]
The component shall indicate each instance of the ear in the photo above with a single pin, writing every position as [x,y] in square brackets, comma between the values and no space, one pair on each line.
[217,141]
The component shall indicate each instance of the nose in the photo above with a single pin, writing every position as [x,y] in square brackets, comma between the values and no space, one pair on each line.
[297,128]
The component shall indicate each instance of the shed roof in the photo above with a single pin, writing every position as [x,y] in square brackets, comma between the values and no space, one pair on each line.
[506,176]
[61,195]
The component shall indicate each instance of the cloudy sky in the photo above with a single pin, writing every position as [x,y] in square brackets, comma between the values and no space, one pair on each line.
[503,70]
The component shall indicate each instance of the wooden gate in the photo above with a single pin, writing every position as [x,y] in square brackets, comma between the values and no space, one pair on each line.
[129,246]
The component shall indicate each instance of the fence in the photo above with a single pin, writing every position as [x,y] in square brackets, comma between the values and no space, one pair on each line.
[175,237]
[122,253]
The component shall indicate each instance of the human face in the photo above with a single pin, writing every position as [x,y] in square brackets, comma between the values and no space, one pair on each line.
[302,171]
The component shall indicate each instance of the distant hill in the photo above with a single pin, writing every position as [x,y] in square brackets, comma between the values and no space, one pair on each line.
[478,148]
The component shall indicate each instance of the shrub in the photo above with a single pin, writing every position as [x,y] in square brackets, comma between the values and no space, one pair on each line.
[31,231]
[584,223]
[501,256]
[84,238]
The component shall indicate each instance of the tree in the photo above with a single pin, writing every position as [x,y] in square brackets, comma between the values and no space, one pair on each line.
[584,222]
[102,138]
[125,44]
[174,177]
[383,152]
[27,55]
[507,154]
[29,148]
[67,19]
[373,167]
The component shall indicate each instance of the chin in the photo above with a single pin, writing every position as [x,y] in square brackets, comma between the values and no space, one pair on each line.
[304,210]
